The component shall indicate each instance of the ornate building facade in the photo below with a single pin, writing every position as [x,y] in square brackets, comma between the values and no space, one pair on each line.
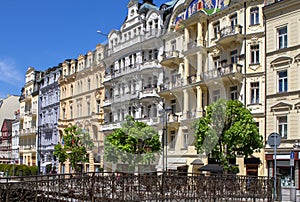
[29,118]
[81,98]
[283,87]
[212,51]
[48,111]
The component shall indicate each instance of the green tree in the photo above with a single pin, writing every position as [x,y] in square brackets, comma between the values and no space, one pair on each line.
[227,130]
[75,143]
[134,143]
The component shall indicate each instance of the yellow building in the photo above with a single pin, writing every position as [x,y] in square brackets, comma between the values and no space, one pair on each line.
[283,87]
[29,119]
[211,52]
[81,97]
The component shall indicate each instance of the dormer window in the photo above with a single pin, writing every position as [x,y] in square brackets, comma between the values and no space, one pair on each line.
[131,13]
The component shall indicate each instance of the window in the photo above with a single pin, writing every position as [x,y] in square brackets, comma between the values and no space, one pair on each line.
[217,62]
[233,21]
[233,93]
[173,45]
[173,106]
[216,95]
[282,81]
[254,92]
[233,56]
[172,140]
[98,106]
[71,112]
[216,28]
[88,108]
[282,126]
[255,54]
[185,138]
[89,84]
[254,13]
[282,37]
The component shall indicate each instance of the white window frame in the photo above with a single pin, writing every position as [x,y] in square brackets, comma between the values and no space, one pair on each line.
[282,37]
[284,83]
[282,123]
[254,49]
[254,16]
[254,90]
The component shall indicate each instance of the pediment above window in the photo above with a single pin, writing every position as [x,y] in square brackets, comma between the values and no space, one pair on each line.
[281,107]
[297,58]
[283,61]
[297,106]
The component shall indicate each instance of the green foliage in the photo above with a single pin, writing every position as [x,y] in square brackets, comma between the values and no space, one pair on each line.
[134,143]
[227,130]
[74,149]
[18,170]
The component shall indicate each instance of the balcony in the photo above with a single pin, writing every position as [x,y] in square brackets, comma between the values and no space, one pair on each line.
[135,40]
[127,70]
[107,102]
[229,35]
[192,79]
[110,126]
[27,148]
[193,46]
[150,64]
[149,91]
[171,59]
[232,71]
[150,120]
[28,131]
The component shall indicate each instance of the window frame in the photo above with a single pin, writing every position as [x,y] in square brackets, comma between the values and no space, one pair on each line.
[254,16]
[255,56]
[282,38]
[282,126]
[282,81]
[254,92]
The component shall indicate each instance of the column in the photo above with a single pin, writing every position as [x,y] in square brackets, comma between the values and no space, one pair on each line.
[199,102]
[199,66]
[199,34]
[185,103]
[186,70]
[186,38]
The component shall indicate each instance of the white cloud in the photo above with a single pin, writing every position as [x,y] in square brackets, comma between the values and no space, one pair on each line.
[9,73]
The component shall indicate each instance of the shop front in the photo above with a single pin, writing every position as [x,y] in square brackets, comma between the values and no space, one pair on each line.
[287,169]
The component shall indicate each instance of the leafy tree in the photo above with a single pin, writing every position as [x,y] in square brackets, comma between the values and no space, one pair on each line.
[227,130]
[74,147]
[134,143]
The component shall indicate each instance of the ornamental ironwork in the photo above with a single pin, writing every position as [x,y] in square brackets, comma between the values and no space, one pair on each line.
[96,187]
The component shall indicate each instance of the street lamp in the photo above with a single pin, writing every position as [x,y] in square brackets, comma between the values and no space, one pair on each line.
[165,111]
[101,33]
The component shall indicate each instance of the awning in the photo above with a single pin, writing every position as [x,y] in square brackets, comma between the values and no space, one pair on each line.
[197,162]
[214,168]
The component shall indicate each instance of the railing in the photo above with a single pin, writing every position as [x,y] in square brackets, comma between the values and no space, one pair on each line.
[92,187]
[148,34]
[222,71]
[229,30]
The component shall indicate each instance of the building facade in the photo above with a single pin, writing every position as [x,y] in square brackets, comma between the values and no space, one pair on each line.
[81,98]
[133,71]
[8,106]
[283,87]
[15,139]
[48,111]
[29,118]
[211,52]
[5,139]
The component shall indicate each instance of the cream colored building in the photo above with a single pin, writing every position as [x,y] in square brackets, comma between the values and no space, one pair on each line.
[8,106]
[81,98]
[29,119]
[283,86]
[212,52]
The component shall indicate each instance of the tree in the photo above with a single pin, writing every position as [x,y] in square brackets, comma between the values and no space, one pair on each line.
[75,143]
[134,143]
[227,130]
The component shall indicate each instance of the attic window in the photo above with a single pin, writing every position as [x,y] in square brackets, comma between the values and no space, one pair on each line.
[131,12]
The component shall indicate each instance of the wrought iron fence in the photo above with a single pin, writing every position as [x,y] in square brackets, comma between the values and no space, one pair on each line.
[94,187]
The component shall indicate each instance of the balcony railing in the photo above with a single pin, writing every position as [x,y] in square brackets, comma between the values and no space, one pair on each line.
[148,34]
[222,71]
[230,30]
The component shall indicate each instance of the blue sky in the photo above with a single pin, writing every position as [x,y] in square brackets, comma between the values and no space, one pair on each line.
[41,34]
